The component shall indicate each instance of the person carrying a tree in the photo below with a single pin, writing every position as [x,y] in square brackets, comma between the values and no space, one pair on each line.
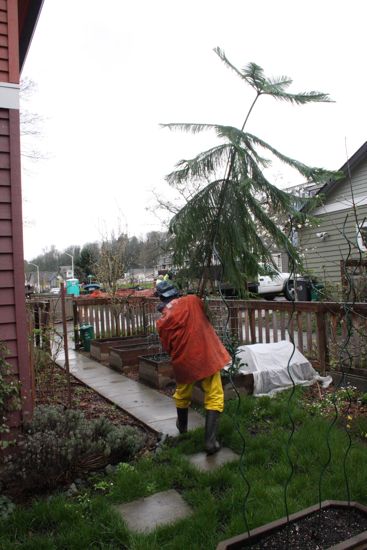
[197,354]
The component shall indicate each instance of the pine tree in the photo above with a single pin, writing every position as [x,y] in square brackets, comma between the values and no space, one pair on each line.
[222,220]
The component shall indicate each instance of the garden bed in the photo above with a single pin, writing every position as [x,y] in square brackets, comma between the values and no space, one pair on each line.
[156,370]
[99,349]
[315,528]
[128,356]
[52,389]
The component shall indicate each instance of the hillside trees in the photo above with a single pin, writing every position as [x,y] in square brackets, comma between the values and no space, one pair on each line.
[96,258]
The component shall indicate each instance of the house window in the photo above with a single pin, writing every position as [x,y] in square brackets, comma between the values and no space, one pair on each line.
[362,236]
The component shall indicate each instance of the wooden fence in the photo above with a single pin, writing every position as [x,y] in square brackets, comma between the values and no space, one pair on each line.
[44,312]
[116,316]
[328,333]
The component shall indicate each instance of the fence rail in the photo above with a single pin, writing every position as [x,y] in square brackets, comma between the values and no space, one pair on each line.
[116,316]
[328,333]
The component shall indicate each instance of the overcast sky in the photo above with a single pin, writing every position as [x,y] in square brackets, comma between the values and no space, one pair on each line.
[108,73]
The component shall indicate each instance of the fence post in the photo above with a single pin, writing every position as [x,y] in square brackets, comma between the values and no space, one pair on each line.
[321,336]
[234,312]
[145,319]
[251,314]
[37,324]
[66,350]
[76,325]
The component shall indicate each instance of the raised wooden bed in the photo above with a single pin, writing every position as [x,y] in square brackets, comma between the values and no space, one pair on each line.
[354,377]
[129,355]
[99,349]
[314,523]
[156,370]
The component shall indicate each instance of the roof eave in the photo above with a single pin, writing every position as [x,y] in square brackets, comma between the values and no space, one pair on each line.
[28,14]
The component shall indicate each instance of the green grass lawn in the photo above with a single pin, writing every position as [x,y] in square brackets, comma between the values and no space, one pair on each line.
[89,520]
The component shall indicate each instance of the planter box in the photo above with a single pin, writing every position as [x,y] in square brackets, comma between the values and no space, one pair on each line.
[99,349]
[275,528]
[129,355]
[243,382]
[156,372]
[354,377]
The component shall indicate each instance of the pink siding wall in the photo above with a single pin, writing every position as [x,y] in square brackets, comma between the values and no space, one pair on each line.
[13,328]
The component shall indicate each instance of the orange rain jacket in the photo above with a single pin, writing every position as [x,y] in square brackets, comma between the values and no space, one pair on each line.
[192,343]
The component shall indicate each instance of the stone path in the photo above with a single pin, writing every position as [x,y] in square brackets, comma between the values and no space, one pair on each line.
[151,407]
[158,412]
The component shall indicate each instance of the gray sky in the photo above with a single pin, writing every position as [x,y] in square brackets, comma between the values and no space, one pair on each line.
[109,73]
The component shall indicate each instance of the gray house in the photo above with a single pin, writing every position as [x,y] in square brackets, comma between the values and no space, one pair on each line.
[341,233]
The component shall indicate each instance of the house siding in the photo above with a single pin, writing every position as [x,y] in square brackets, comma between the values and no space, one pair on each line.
[13,326]
[322,258]
[343,191]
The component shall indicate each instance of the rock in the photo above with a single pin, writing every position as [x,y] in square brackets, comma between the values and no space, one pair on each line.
[110,469]
[72,490]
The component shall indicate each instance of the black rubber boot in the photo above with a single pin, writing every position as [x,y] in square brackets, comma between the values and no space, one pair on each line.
[181,422]
[211,424]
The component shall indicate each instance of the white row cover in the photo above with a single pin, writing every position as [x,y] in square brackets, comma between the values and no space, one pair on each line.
[275,365]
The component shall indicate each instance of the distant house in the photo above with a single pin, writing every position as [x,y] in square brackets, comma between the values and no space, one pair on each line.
[164,264]
[47,279]
[139,275]
[66,271]
[342,222]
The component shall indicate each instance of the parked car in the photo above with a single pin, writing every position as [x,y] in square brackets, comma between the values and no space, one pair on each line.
[55,290]
[90,287]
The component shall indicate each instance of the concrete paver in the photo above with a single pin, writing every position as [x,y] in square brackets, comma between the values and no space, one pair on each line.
[151,407]
[148,513]
[206,463]
[168,426]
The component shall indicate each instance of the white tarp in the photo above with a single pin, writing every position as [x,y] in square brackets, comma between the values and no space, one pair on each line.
[269,365]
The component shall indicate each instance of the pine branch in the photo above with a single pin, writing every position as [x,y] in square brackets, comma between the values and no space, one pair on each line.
[202,166]
[230,216]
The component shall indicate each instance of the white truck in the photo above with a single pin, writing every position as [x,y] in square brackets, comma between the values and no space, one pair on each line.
[267,286]
[280,284]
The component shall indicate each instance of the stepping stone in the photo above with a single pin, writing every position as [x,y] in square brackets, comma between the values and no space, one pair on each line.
[148,513]
[206,463]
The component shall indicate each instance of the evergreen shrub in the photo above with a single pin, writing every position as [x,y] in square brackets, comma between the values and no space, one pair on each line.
[60,444]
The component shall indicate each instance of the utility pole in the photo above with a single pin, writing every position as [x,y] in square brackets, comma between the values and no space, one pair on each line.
[72,263]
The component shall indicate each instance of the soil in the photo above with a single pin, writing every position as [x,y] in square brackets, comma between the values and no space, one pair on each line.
[318,531]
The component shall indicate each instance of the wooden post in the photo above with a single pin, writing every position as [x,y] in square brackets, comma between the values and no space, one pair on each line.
[321,336]
[37,324]
[76,325]
[251,314]
[66,350]
[233,319]
[145,318]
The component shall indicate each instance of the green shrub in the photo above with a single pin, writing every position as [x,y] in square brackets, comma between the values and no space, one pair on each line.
[59,444]
[9,394]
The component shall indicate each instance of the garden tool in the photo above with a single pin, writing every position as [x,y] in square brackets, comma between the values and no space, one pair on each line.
[181,422]
[211,425]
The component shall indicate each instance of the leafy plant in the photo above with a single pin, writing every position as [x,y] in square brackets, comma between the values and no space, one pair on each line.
[232,213]
[7,507]
[58,444]
[9,394]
